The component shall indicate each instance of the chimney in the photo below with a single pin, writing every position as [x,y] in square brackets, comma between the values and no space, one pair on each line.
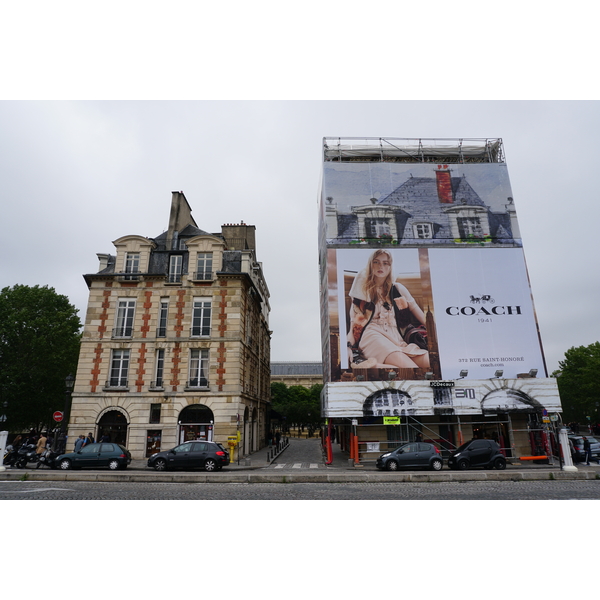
[444,184]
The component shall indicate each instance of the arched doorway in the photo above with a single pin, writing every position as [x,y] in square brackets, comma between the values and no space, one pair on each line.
[195,423]
[113,425]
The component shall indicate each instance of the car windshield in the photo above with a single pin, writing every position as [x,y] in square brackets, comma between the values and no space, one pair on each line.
[463,447]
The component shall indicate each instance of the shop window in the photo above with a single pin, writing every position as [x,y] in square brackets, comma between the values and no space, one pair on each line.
[155,413]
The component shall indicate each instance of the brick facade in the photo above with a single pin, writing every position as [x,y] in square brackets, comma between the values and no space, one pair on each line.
[142,349]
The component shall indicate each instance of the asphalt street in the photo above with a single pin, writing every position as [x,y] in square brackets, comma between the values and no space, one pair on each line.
[475,490]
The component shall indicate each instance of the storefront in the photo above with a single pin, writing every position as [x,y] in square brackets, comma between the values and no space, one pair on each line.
[376,416]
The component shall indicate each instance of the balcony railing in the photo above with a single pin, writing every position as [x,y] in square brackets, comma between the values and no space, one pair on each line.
[174,277]
[200,331]
[122,332]
[197,383]
[157,385]
[203,276]
[117,383]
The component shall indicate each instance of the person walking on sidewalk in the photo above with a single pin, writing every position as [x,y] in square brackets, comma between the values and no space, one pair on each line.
[587,450]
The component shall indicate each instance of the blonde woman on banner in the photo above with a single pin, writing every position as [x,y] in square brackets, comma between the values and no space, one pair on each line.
[382,315]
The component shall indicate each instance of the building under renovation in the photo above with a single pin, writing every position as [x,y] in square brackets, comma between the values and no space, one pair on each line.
[428,324]
[176,342]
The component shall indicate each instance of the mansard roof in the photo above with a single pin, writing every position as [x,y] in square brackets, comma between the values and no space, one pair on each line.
[416,191]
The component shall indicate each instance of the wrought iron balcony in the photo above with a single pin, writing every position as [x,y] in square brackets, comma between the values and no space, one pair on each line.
[122,332]
[117,383]
[197,383]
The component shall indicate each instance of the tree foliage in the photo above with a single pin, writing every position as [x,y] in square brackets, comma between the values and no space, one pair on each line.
[39,347]
[296,404]
[579,384]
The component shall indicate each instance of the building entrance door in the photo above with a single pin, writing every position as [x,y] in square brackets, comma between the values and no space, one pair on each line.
[195,423]
[113,425]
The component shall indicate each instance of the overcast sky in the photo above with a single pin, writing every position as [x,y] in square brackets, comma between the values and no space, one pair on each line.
[77,175]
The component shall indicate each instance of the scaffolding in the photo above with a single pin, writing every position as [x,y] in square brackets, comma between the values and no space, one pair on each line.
[423,150]
[543,439]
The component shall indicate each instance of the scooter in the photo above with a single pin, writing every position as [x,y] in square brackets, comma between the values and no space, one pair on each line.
[26,455]
[47,459]
[10,456]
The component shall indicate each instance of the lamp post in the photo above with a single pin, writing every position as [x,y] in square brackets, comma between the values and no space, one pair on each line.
[69,383]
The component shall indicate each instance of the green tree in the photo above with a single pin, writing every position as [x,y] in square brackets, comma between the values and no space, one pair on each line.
[579,383]
[39,347]
[297,405]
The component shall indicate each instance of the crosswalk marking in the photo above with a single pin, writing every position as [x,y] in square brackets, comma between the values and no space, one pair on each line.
[296,466]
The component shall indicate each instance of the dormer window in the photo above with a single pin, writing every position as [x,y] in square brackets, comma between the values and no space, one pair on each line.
[423,231]
[204,266]
[132,265]
[175,268]
[377,227]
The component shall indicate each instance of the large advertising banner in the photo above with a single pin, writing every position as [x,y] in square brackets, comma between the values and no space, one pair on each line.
[484,310]
[404,312]
[422,203]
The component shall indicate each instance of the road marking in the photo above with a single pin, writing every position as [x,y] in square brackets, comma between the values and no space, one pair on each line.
[37,490]
[314,466]
[297,466]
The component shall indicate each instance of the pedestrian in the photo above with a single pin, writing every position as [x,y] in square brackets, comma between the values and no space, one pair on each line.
[278,437]
[80,443]
[270,438]
[17,442]
[90,439]
[41,444]
[587,450]
[105,438]
[573,453]
[419,437]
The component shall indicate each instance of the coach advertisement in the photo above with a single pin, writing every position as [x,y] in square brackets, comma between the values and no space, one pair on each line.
[405,312]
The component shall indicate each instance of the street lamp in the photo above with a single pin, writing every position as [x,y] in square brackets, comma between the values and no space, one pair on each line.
[69,383]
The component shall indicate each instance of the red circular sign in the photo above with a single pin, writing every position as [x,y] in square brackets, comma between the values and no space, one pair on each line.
[58,416]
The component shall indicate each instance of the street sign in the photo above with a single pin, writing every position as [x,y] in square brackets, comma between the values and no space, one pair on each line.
[58,416]
[391,420]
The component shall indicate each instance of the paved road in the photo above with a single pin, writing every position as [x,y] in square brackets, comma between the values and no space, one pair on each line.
[505,490]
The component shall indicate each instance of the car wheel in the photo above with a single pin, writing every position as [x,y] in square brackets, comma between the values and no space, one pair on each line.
[392,465]
[113,464]
[436,464]
[210,465]
[65,464]
[500,464]
[160,464]
[463,465]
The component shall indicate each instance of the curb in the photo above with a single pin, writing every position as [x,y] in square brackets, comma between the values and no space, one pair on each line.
[251,476]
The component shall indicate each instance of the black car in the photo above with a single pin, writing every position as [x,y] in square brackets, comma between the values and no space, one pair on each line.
[580,452]
[477,453]
[191,455]
[111,455]
[414,455]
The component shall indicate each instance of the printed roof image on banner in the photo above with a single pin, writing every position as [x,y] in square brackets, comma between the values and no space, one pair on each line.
[422,203]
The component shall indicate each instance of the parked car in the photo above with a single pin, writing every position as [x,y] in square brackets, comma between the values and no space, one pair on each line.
[578,445]
[414,455]
[210,456]
[477,453]
[111,455]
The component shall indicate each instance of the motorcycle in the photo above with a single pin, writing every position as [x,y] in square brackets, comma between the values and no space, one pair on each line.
[26,455]
[47,459]
[10,456]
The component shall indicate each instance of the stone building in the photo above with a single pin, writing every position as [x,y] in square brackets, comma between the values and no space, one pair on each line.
[306,374]
[176,342]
